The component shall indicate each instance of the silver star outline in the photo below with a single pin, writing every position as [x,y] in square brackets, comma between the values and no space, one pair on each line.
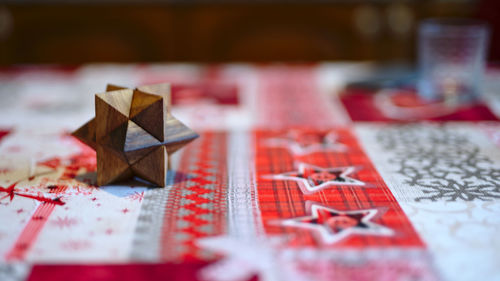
[307,186]
[327,236]
[330,144]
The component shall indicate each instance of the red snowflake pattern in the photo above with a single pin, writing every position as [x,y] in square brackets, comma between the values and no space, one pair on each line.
[76,245]
[136,196]
[64,222]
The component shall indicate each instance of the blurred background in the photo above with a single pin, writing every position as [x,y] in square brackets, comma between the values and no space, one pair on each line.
[83,31]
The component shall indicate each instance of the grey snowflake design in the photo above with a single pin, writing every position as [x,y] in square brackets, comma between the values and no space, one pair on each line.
[442,162]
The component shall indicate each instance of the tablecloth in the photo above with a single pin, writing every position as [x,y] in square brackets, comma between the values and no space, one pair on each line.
[293,178]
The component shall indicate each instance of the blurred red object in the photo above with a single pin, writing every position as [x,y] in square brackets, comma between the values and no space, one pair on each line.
[405,106]
[204,93]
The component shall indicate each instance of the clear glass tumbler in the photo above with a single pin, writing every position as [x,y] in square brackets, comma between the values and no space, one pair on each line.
[451,57]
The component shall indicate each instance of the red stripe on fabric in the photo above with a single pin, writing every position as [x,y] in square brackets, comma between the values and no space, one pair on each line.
[128,272]
[30,232]
[196,205]
[32,229]
[283,199]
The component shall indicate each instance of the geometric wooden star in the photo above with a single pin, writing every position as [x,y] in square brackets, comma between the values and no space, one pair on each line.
[311,178]
[333,225]
[134,133]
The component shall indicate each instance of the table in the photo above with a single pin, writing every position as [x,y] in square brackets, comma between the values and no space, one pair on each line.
[293,178]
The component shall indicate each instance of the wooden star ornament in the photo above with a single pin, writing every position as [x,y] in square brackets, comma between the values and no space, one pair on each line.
[133,133]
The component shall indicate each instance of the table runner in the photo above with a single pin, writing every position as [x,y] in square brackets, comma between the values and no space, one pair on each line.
[284,183]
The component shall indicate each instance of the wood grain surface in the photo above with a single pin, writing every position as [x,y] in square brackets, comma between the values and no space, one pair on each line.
[134,133]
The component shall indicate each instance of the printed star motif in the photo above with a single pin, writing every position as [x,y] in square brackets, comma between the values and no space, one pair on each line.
[333,225]
[311,178]
[303,143]
[134,133]
[244,258]
[12,192]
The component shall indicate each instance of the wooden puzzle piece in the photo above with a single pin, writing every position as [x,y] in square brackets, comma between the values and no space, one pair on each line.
[134,133]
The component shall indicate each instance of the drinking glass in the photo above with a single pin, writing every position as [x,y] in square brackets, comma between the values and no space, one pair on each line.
[451,57]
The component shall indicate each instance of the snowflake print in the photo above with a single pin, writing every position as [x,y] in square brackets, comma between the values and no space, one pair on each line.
[441,162]
[136,196]
[64,222]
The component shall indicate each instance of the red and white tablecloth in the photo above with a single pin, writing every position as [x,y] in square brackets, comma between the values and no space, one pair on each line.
[291,179]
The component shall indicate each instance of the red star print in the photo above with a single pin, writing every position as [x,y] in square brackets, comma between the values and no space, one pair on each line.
[137,196]
[332,225]
[11,192]
[311,178]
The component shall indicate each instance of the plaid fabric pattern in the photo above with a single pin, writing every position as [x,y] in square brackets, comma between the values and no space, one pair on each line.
[336,222]
[283,199]
[289,96]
